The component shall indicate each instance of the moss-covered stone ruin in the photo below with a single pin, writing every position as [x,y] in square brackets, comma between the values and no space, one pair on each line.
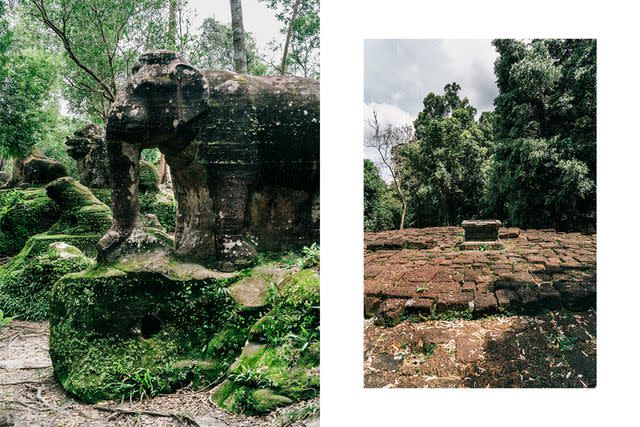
[146,295]
[244,156]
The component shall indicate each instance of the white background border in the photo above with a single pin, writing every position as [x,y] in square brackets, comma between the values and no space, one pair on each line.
[345,25]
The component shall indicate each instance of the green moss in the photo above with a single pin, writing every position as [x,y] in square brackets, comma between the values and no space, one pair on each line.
[24,213]
[296,310]
[149,179]
[280,363]
[161,205]
[160,327]
[81,211]
[153,324]
[102,194]
[26,281]
[166,213]
[267,377]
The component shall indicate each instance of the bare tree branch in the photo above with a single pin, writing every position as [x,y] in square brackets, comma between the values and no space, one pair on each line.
[385,138]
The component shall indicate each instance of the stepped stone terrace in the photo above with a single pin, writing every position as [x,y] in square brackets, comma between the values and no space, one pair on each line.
[423,274]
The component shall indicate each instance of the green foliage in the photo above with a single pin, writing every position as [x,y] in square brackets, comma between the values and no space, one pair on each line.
[151,155]
[310,256]
[139,384]
[102,38]
[567,343]
[297,415]
[303,55]
[4,320]
[212,48]
[27,113]
[166,213]
[295,310]
[429,348]
[382,209]
[445,167]
[530,163]
[543,168]
[26,281]
[24,213]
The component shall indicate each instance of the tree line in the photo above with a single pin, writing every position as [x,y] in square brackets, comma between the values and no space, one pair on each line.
[531,162]
[62,62]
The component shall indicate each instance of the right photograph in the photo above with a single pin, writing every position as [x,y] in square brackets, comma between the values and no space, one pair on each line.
[480,213]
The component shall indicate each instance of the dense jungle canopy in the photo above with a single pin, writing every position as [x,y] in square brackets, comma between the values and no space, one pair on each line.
[531,162]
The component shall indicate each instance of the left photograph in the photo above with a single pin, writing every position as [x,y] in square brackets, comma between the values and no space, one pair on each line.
[159,212]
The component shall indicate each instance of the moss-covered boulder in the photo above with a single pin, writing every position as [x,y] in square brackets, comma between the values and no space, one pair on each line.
[25,282]
[75,217]
[280,362]
[139,327]
[149,323]
[81,211]
[149,178]
[24,213]
[161,204]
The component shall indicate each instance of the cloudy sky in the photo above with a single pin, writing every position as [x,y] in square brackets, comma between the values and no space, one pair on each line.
[398,74]
[258,19]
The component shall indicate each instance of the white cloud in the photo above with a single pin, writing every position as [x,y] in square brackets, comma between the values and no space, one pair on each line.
[387,113]
[403,72]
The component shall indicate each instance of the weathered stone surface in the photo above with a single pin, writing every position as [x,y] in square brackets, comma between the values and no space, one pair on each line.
[508,233]
[481,245]
[88,147]
[80,211]
[468,349]
[390,311]
[395,241]
[537,271]
[251,292]
[243,150]
[41,170]
[476,230]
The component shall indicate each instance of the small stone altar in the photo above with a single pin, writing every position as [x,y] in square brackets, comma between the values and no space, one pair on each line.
[481,234]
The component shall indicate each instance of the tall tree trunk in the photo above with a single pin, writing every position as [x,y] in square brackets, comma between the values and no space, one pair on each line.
[294,15]
[172,44]
[239,48]
[173,25]
[163,169]
[404,213]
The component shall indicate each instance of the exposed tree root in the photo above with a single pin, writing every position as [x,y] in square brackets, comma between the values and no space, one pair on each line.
[179,417]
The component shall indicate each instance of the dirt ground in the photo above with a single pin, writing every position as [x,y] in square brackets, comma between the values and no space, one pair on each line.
[553,349]
[29,395]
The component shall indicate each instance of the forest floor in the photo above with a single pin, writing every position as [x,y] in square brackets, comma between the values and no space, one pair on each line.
[555,349]
[30,396]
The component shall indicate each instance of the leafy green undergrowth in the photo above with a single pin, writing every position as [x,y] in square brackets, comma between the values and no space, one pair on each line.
[308,257]
[161,204]
[4,320]
[279,364]
[24,213]
[25,283]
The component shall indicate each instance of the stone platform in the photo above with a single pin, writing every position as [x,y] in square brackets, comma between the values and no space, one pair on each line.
[536,270]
